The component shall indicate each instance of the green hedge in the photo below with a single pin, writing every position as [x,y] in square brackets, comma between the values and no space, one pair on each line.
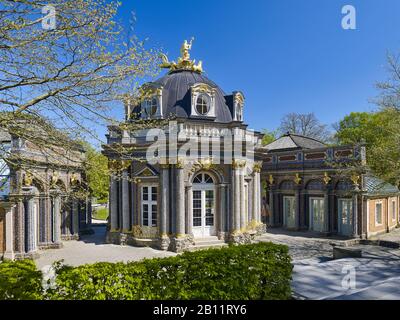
[20,280]
[258,271]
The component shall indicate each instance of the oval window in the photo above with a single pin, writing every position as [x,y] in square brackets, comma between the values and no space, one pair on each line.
[202,105]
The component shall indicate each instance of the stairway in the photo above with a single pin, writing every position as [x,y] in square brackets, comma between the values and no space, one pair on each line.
[207,243]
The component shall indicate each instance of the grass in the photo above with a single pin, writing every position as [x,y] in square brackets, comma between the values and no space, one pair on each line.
[100,214]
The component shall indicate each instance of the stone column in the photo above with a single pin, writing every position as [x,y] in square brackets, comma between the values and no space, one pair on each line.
[223,208]
[125,225]
[254,215]
[114,203]
[9,236]
[326,211]
[180,201]
[189,192]
[29,226]
[57,219]
[236,199]
[243,218]
[164,206]
[75,217]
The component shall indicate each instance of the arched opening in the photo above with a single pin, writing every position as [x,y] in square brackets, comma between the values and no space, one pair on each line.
[203,206]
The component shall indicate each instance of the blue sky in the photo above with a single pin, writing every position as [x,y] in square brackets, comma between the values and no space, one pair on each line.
[285,55]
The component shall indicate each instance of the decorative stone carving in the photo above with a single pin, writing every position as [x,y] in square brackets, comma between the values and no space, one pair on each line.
[326,178]
[297,179]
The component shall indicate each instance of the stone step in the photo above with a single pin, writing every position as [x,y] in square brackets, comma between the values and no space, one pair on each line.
[210,245]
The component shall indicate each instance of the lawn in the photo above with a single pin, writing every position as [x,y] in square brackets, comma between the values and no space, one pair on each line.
[100,214]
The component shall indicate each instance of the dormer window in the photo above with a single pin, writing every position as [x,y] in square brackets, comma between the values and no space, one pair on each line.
[239,113]
[149,107]
[203,105]
[203,100]
[238,103]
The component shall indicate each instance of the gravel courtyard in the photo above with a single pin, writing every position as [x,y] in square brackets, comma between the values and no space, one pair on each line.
[317,276]
[91,249]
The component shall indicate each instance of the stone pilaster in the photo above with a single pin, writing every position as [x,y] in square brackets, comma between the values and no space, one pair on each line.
[355,215]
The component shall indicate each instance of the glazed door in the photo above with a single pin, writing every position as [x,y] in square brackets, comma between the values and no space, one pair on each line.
[317,209]
[203,212]
[345,217]
[289,209]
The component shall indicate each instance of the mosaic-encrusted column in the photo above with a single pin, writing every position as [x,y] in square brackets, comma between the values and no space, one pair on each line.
[57,219]
[114,203]
[189,224]
[9,236]
[236,199]
[180,201]
[126,225]
[164,207]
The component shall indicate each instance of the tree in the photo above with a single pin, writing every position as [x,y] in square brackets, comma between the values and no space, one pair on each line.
[269,136]
[97,173]
[304,124]
[379,131]
[66,79]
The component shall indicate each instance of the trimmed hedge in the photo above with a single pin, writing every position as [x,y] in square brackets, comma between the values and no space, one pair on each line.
[257,271]
[20,280]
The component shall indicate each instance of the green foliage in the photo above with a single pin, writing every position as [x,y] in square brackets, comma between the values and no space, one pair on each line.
[20,280]
[97,173]
[100,214]
[379,131]
[259,271]
[269,136]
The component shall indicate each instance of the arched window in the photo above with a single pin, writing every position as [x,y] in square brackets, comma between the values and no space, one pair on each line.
[202,105]
[203,178]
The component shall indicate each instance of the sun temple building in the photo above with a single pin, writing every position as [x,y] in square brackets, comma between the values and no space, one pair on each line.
[39,202]
[196,185]
[325,189]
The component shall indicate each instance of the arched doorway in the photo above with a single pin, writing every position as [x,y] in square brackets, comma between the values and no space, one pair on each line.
[203,206]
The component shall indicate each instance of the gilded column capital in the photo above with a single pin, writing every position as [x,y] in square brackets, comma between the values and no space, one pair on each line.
[257,167]
[238,164]
[180,164]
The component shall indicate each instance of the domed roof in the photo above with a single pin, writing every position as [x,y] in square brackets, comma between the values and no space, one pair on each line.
[178,90]
[176,95]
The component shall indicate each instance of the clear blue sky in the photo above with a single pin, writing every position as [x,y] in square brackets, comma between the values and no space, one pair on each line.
[285,55]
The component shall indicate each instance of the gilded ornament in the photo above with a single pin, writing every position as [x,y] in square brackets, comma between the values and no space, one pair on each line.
[297,179]
[326,178]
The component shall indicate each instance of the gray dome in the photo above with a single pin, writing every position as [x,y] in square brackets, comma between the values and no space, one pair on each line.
[176,95]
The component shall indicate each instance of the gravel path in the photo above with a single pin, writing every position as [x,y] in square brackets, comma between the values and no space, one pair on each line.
[91,249]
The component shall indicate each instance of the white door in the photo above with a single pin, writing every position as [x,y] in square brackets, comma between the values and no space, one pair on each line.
[203,212]
[289,209]
[317,209]
[345,217]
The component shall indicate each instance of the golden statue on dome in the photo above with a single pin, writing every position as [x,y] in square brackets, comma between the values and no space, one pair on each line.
[184,62]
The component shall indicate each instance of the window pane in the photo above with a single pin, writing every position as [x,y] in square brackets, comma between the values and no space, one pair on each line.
[154,194]
[393,210]
[145,193]
[378,213]
[145,215]
[154,215]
